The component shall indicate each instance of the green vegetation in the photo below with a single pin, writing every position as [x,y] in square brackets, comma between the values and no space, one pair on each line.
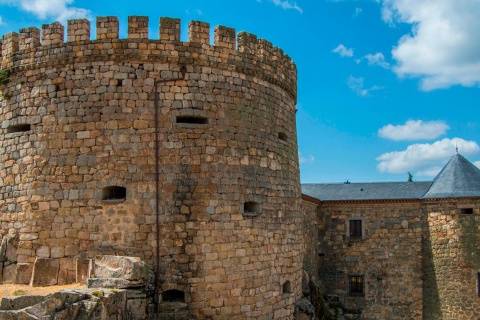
[97,293]
[19,293]
[4,76]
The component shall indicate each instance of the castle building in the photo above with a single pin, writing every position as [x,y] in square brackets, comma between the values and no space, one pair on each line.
[183,154]
[398,250]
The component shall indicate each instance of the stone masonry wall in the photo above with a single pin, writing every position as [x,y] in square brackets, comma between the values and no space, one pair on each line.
[77,126]
[388,256]
[452,260]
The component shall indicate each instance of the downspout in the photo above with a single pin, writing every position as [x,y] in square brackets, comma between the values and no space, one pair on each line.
[183,70]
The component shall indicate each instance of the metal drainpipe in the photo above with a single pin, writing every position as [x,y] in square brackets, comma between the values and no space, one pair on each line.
[183,70]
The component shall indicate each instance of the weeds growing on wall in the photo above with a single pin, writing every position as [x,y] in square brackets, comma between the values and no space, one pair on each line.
[4,76]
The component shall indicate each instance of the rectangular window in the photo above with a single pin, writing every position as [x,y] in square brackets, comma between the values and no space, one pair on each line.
[466,210]
[356,285]
[355,228]
[478,284]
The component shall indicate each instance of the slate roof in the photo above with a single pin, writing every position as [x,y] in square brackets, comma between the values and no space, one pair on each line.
[459,178]
[366,191]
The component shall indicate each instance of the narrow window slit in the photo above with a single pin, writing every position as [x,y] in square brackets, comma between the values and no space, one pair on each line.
[192,120]
[466,210]
[19,128]
[287,287]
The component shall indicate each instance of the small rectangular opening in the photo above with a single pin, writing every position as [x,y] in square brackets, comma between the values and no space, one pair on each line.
[19,128]
[466,210]
[192,120]
[252,209]
[114,194]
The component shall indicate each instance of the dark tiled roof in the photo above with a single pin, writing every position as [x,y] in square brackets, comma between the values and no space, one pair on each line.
[459,178]
[367,191]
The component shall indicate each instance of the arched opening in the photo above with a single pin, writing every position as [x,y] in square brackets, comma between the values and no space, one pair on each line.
[173,296]
[114,193]
[287,287]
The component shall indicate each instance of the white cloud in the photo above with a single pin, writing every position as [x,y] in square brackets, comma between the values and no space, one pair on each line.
[414,130]
[357,86]
[377,59]
[343,51]
[287,4]
[57,9]
[443,48]
[425,159]
[305,159]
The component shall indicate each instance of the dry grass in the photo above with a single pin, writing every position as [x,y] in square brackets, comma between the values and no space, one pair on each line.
[9,289]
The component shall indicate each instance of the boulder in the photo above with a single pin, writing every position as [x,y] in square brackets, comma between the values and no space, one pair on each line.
[128,268]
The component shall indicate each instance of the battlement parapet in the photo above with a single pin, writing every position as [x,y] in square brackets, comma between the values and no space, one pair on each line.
[244,52]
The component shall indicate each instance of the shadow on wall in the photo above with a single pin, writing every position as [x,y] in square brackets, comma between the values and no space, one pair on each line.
[431,299]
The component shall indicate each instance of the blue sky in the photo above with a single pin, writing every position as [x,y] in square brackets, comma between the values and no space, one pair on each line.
[385,87]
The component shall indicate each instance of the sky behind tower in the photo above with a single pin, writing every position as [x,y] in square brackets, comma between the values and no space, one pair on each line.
[385,87]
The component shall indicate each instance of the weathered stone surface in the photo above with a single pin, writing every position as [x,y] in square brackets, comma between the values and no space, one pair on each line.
[305,306]
[21,302]
[45,272]
[83,270]
[128,268]
[113,283]
[24,273]
[45,307]
[137,309]
[72,305]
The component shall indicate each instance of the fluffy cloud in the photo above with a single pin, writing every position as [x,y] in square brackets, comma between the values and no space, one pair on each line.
[287,4]
[414,130]
[443,48]
[304,160]
[425,159]
[57,9]
[377,59]
[357,86]
[343,51]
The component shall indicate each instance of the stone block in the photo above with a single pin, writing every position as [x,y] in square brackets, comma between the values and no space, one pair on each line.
[128,268]
[21,302]
[45,272]
[24,273]
[83,269]
[112,283]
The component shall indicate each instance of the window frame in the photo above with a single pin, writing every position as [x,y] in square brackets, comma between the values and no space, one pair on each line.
[359,229]
[356,288]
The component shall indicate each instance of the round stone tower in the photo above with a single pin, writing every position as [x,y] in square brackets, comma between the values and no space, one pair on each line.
[181,153]
[451,260]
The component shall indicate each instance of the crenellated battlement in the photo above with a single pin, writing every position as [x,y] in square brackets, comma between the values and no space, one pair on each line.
[252,55]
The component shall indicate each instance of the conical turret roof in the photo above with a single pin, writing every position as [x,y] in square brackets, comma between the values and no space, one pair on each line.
[459,178]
